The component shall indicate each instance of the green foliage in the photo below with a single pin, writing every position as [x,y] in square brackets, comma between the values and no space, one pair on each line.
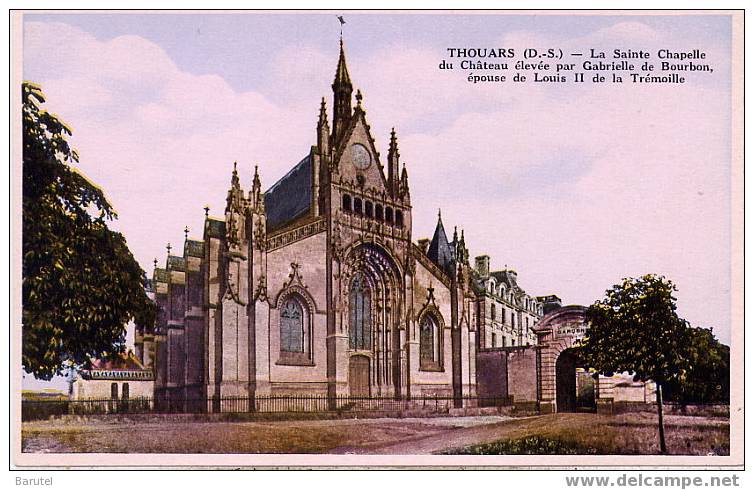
[636,329]
[707,379]
[81,284]
[525,445]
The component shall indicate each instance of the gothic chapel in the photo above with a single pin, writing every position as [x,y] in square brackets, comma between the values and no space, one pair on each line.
[316,287]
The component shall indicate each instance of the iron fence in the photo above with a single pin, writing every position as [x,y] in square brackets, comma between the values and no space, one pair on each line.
[43,409]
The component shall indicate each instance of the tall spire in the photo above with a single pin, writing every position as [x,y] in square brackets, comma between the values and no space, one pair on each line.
[440,251]
[341,73]
[342,90]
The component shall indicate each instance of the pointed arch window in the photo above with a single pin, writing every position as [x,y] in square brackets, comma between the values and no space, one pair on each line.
[292,326]
[430,344]
[295,332]
[360,304]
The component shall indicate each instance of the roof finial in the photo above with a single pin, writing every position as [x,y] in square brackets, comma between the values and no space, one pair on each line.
[186,232]
[439,214]
[169,247]
[322,122]
[358,97]
[155,262]
[393,148]
[256,185]
[234,179]
[206,210]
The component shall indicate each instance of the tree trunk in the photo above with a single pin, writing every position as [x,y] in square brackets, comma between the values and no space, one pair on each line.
[663,448]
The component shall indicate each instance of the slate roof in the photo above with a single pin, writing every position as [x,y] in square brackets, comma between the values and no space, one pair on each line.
[194,248]
[176,263]
[505,277]
[215,228]
[291,196]
[160,275]
[440,251]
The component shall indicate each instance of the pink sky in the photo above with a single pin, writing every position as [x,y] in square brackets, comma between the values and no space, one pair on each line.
[573,188]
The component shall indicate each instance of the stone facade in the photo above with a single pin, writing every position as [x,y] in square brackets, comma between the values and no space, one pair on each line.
[315,285]
[506,314]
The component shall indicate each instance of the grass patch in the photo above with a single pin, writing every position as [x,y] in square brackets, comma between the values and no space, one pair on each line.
[525,445]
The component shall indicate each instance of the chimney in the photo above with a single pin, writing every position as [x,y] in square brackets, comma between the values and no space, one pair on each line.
[482,265]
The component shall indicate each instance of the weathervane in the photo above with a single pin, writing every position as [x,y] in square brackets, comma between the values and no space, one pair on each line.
[342,22]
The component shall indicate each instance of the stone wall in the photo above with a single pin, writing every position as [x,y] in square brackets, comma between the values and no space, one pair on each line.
[101,389]
[431,382]
[492,376]
[298,269]
[522,374]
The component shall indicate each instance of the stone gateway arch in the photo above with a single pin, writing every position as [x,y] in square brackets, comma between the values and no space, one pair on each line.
[549,376]
[558,333]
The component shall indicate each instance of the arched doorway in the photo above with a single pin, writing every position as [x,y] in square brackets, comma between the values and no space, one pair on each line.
[358,376]
[574,385]
[374,302]
[565,381]
[564,384]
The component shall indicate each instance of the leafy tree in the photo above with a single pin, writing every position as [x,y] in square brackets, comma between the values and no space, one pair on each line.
[708,377]
[635,329]
[81,284]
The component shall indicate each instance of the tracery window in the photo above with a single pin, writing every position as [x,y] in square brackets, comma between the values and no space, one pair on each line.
[360,314]
[292,326]
[430,343]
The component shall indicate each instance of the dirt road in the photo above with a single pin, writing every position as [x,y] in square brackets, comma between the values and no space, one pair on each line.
[605,434]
